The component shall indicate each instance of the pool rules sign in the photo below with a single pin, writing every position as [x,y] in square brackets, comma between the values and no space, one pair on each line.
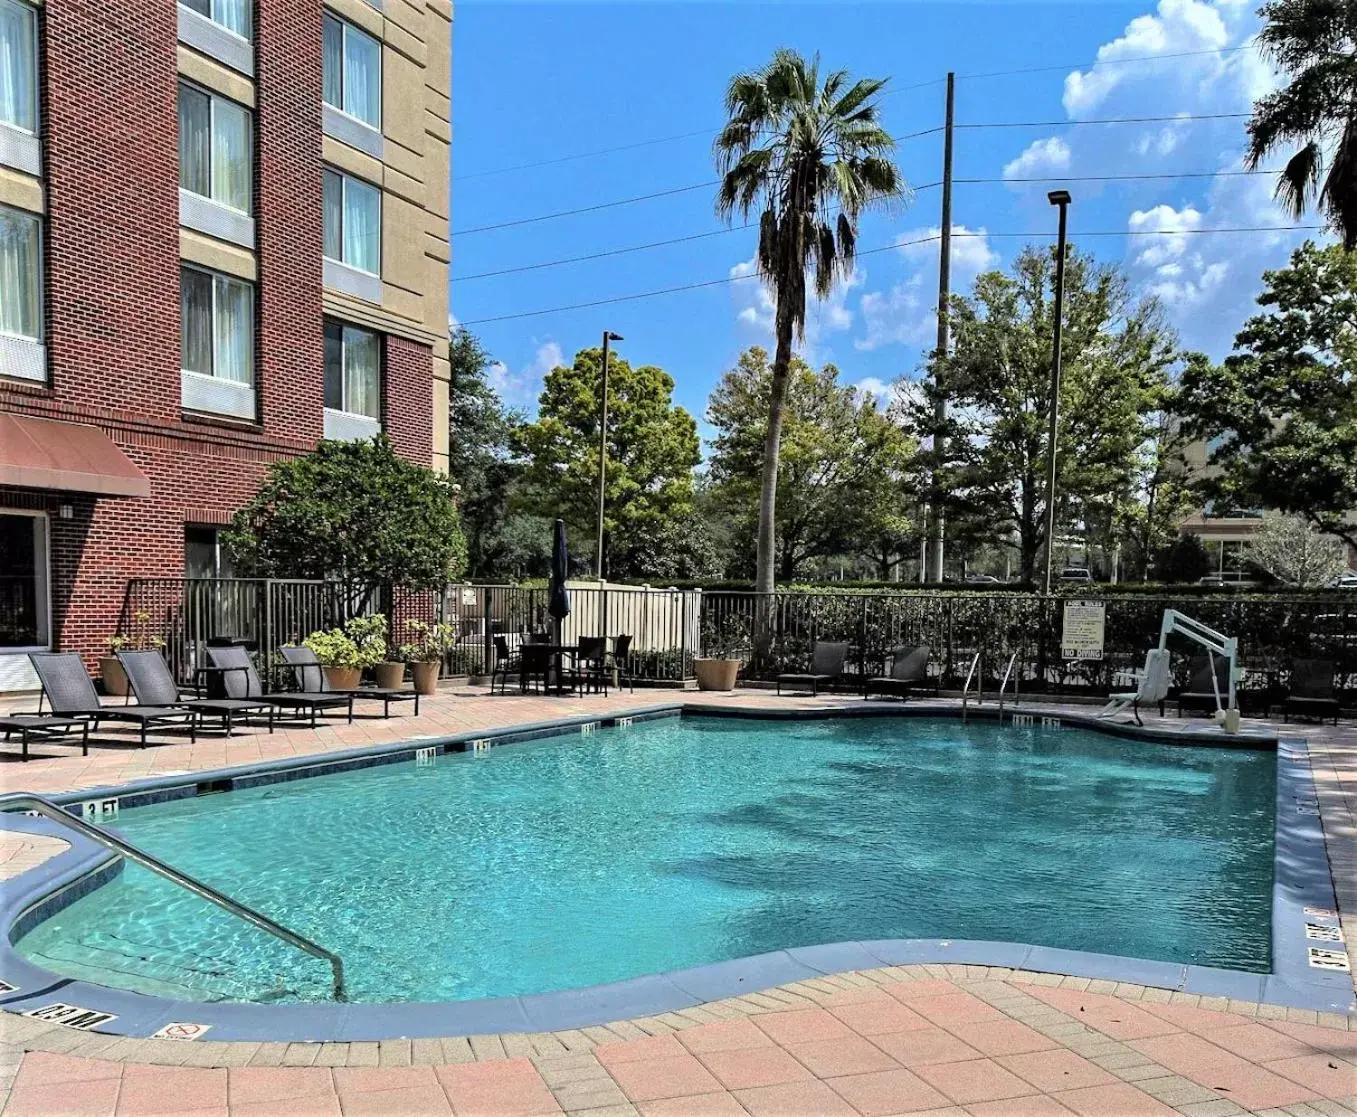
[1081,634]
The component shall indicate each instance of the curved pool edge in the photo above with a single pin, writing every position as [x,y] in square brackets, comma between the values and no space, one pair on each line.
[1301,881]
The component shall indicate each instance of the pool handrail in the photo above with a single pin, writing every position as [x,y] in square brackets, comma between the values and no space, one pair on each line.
[28,802]
[965,690]
[1003,686]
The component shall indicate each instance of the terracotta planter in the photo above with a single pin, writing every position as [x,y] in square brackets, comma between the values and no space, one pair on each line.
[716,674]
[389,675]
[115,678]
[343,678]
[425,674]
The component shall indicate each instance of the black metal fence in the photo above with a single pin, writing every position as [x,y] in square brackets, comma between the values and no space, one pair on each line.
[770,633]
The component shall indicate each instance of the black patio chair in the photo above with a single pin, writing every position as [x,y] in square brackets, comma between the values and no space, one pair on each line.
[826,666]
[1197,694]
[590,669]
[505,664]
[1312,690]
[67,687]
[619,663]
[310,677]
[239,679]
[153,685]
[908,673]
[46,727]
[534,667]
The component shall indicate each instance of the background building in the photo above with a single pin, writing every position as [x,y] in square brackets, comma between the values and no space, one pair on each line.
[223,236]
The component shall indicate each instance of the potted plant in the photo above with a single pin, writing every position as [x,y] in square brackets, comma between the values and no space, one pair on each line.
[139,639]
[344,652]
[370,634]
[726,648]
[424,650]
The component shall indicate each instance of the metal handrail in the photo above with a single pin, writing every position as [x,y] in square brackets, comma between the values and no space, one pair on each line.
[1003,685]
[50,810]
[975,662]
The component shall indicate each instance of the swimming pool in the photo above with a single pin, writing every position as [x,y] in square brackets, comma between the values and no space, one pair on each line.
[583,859]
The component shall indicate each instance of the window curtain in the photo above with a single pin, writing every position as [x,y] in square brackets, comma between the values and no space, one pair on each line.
[334,216]
[362,226]
[333,64]
[18,67]
[362,77]
[234,15]
[195,321]
[195,141]
[20,268]
[334,366]
[234,331]
[231,155]
[362,373]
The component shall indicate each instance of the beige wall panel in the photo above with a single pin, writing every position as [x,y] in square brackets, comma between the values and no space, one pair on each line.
[350,159]
[22,191]
[213,75]
[360,14]
[405,304]
[410,164]
[403,247]
[403,85]
[217,255]
[436,182]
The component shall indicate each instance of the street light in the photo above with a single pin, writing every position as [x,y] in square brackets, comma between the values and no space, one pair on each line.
[1059,198]
[608,336]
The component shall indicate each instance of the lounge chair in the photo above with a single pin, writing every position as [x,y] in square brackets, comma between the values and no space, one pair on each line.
[310,676]
[1152,687]
[45,727]
[153,685]
[506,663]
[239,679]
[1312,691]
[908,673]
[826,665]
[66,686]
[1199,694]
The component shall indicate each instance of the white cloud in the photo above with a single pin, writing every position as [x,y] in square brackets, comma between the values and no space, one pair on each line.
[1040,157]
[522,388]
[453,323]
[875,386]
[1168,231]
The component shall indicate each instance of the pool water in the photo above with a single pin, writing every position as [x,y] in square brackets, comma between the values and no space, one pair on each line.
[583,859]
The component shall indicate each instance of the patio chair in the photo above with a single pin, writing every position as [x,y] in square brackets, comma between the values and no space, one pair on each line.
[1312,691]
[534,667]
[908,673]
[153,685]
[1198,694]
[826,665]
[239,679]
[619,663]
[1152,687]
[591,664]
[46,727]
[310,676]
[506,662]
[66,686]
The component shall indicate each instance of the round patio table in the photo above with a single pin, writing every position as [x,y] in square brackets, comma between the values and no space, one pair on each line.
[555,653]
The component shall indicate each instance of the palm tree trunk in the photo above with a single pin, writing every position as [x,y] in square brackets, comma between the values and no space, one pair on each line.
[772,447]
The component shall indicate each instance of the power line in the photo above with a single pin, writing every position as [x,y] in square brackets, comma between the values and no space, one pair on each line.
[1102,62]
[884,248]
[584,209]
[1106,120]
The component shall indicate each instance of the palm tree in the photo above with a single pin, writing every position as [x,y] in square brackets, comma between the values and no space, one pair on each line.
[1315,43]
[812,157]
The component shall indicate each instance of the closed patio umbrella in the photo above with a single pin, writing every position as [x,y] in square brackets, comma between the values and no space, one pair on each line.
[558,604]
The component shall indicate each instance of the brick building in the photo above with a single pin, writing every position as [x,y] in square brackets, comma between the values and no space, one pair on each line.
[223,236]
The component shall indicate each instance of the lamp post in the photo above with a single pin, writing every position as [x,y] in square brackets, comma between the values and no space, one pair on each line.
[1059,198]
[608,336]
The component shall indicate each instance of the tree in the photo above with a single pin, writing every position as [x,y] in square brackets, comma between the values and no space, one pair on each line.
[799,151]
[1280,415]
[841,484]
[1289,549]
[352,511]
[1315,43]
[652,450]
[501,542]
[1183,560]
[1115,354]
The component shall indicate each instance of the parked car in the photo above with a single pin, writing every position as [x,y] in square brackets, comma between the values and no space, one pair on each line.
[983,579]
[1345,582]
[1076,574]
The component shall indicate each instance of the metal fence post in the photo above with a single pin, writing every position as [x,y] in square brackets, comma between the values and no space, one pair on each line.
[267,649]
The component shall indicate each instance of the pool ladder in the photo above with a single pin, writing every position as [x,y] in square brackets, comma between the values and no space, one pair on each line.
[49,810]
[1008,672]
[977,674]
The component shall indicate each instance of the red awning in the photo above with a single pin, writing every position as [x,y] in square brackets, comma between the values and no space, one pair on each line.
[45,454]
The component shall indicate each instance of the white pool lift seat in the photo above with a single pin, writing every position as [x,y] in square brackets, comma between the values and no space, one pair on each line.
[1152,687]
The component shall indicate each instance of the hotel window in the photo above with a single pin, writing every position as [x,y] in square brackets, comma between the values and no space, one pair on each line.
[214,148]
[353,370]
[352,72]
[20,274]
[216,316]
[353,222]
[18,65]
[234,15]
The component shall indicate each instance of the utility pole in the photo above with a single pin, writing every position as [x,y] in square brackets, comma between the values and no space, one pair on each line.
[608,336]
[1059,198]
[938,531]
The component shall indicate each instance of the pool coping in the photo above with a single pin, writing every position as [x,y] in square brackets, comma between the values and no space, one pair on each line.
[1303,894]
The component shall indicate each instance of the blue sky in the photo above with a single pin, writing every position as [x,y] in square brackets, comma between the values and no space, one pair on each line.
[536,82]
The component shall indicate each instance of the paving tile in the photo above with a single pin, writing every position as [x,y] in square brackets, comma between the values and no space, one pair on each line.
[151,1090]
[908,991]
[69,1099]
[1332,1040]
[1056,1070]
[747,1067]
[1194,1019]
[592,1094]
[955,1008]
[47,1068]
[1033,1105]
[804,1026]
[887,1092]
[796,1099]
[878,1017]
[728,1035]
[1002,1037]
[1257,1042]
[408,1101]
[924,1045]
[1120,1100]
[974,1080]
[511,1087]
[246,1085]
[630,1051]
[1187,1054]
[668,1077]
[695,1105]
[832,1058]
[359,1080]
[1327,1076]
[1254,1087]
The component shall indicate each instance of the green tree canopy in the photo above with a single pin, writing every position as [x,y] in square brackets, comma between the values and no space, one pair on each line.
[652,451]
[1281,413]
[1116,353]
[355,511]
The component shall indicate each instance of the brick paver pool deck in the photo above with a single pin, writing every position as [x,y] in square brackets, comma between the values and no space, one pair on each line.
[932,1039]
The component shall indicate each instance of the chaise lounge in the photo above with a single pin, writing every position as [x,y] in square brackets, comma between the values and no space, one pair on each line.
[67,687]
[310,676]
[239,679]
[1312,691]
[908,672]
[826,666]
[153,685]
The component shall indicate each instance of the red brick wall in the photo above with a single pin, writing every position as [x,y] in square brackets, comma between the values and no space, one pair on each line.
[408,398]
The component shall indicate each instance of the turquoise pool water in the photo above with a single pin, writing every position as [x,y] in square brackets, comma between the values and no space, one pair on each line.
[584,859]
